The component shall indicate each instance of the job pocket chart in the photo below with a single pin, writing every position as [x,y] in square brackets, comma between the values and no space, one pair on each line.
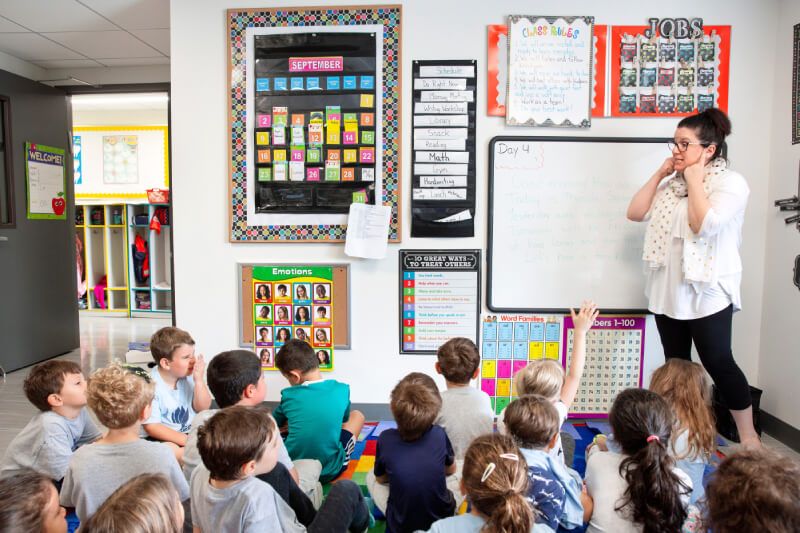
[508,344]
[668,76]
[443,146]
[314,136]
[614,359]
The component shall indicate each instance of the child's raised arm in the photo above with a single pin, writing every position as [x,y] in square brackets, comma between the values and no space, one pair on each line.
[582,323]
[202,398]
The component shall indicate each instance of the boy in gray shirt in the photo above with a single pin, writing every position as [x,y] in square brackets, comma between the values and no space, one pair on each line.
[466,411]
[238,443]
[58,390]
[121,400]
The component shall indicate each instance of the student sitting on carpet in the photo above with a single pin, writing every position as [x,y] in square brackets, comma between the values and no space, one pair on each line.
[145,504]
[180,392]
[235,378]
[29,503]
[546,376]
[639,489]
[321,424]
[466,411]
[495,479]
[555,490]
[754,490]
[121,401]
[57,388]
[414,460]
[238,443]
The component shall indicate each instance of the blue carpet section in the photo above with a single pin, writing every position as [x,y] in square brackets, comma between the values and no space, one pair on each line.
[586,436]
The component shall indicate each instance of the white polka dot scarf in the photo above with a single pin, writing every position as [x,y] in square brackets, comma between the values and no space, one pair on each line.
[669,219]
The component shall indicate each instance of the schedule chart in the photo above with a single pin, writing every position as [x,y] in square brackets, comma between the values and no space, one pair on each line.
[440,298]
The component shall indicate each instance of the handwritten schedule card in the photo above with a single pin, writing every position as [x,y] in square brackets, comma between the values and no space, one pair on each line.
[443,186]
[550,71]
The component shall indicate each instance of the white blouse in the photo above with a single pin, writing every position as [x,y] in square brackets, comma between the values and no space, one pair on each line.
[668,292]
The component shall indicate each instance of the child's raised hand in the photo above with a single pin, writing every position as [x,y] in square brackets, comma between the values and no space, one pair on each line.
[584,319]
[199,368]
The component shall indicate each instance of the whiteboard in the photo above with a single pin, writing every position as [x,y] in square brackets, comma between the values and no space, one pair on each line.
[557,227]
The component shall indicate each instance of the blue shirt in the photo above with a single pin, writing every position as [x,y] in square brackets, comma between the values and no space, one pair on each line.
[544,465]
[418,493]
[172,407]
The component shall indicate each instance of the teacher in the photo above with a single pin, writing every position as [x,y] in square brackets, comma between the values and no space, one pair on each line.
[691,255]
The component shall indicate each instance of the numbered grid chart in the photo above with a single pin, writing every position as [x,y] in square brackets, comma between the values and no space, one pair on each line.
[438,306]
[508,345]
[614,359]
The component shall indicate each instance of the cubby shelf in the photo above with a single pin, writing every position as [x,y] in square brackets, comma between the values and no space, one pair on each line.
[107,233]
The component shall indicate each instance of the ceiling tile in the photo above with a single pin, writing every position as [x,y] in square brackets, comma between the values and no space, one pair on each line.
[156,38]
[133,14]
[134,61]
[108,44]
[32,47]
[8,26]
[50,15]
[67,63]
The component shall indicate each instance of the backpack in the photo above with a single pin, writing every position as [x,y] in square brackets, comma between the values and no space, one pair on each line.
[141,260]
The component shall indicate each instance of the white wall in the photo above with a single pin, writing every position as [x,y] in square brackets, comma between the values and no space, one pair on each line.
[779,365]
[205,262]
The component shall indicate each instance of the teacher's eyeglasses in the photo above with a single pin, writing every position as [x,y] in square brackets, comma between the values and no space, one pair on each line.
[683,146]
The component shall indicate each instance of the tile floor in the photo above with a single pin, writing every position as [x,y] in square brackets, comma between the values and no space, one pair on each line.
[106,338]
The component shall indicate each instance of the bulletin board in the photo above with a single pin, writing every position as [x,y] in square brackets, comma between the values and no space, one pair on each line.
[340,304]
[120,161]
[497,70]
[661,77]
[557,228]
[315,120]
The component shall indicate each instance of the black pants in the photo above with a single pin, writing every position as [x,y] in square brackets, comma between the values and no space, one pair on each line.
[283,483]
[712,338]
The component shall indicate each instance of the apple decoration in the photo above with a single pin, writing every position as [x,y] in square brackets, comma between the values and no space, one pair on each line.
[59,204]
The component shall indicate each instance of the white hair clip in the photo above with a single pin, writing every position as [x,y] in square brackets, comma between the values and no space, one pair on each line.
[509,456]
[488,472]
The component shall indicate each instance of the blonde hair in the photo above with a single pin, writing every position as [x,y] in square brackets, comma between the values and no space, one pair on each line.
[500,494]
[117,395]
[145,504]
[544,377]
[685,387]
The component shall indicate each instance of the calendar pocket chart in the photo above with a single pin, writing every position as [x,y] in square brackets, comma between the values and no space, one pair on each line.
[614,362]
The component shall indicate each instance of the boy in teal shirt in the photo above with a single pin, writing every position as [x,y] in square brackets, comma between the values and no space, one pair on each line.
[321,425]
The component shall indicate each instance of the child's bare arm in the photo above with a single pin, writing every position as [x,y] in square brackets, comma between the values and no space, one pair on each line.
[588,505]
[162,432]
[582,321]
[202,398]
[451,469]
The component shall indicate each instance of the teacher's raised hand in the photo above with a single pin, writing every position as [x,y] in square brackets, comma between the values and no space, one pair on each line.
[666,168]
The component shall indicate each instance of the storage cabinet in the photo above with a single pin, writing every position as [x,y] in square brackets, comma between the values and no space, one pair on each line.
[107,234]
[102,231]
[152,295]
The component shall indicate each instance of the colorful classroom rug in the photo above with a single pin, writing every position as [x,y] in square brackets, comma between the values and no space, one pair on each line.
[363,458]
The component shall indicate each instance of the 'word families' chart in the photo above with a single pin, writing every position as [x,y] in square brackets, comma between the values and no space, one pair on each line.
[293,303]
[439,298]
[443,179]
[508,344]
[614,355]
